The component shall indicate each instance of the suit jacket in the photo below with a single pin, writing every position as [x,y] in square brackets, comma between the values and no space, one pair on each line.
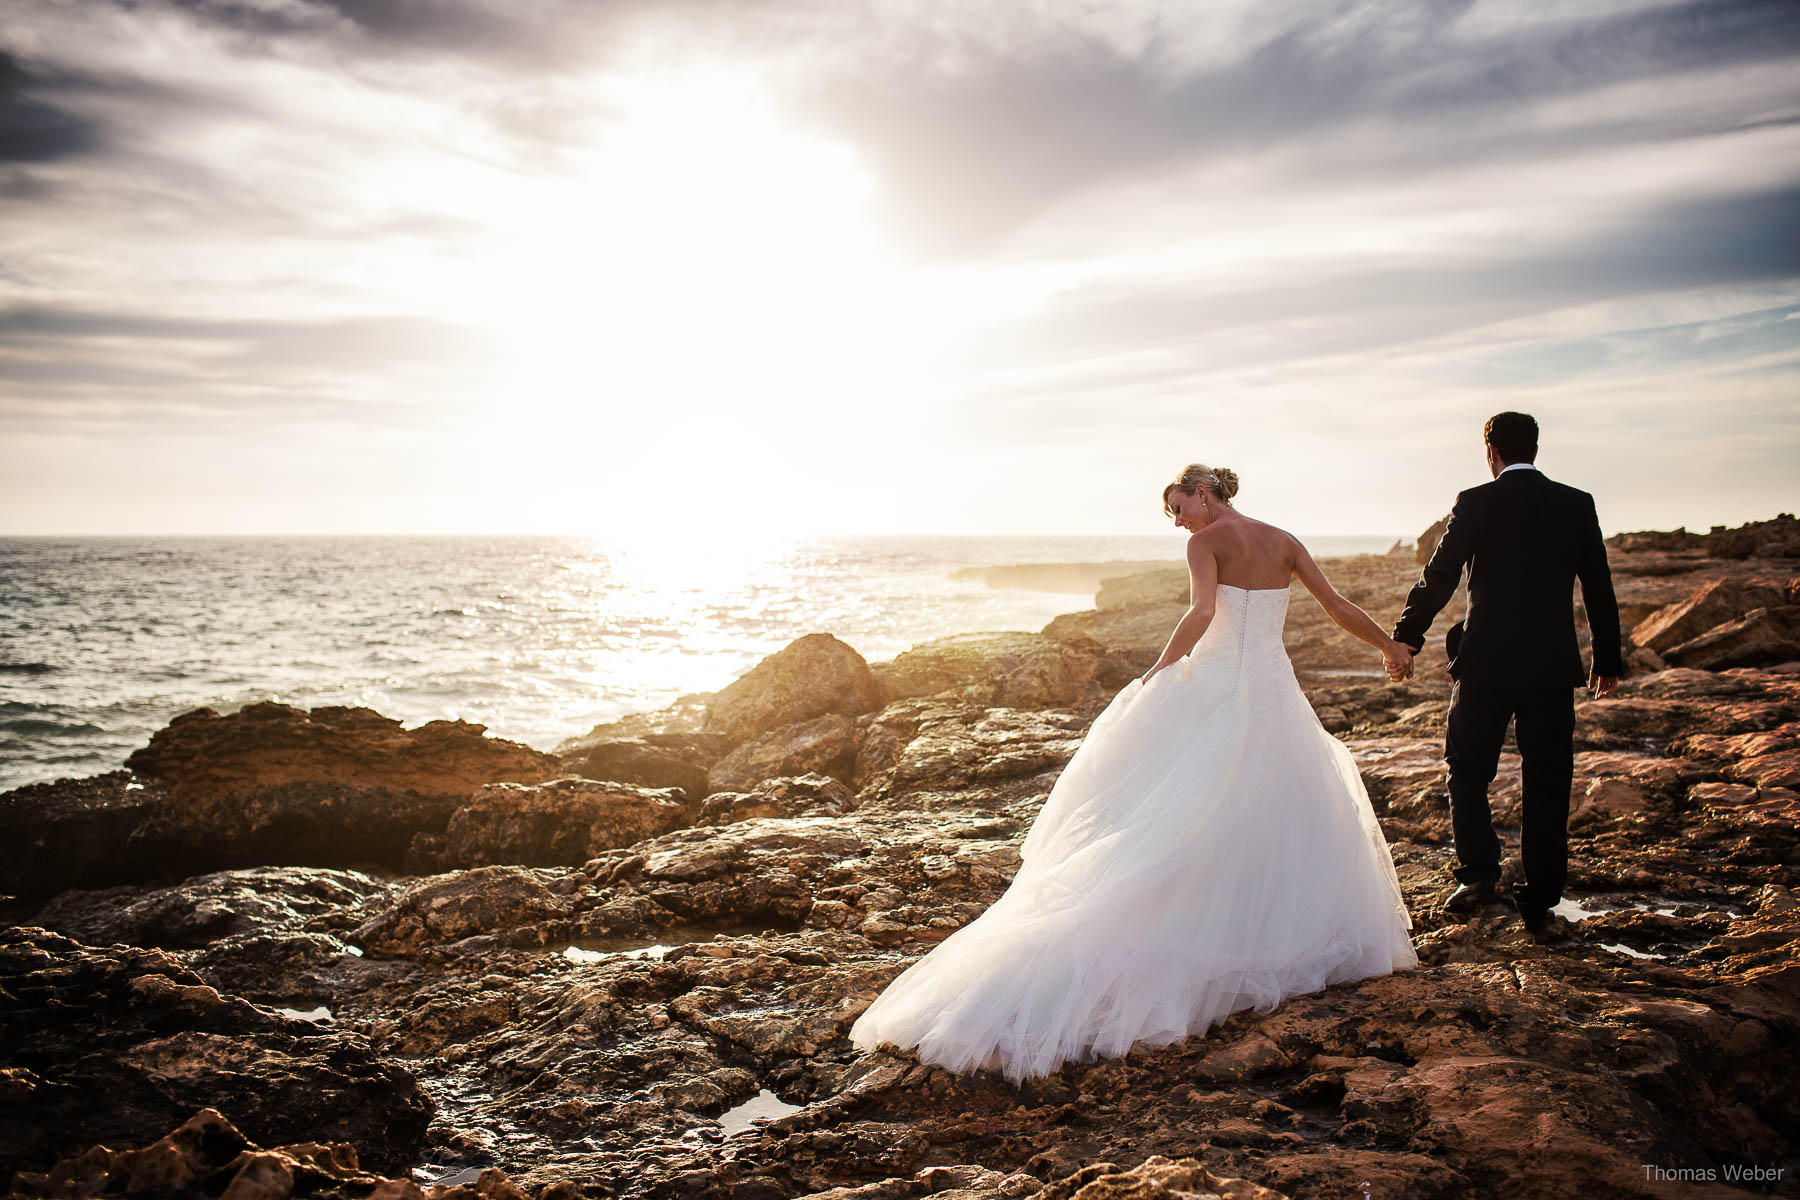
[1526,539]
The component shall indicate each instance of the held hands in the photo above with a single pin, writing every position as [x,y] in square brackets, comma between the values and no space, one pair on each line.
[1399,660]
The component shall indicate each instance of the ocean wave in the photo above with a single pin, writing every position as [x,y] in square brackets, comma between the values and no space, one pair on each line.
[42,724]
[114,639]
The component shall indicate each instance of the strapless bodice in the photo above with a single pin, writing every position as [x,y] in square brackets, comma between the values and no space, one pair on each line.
[1248,620]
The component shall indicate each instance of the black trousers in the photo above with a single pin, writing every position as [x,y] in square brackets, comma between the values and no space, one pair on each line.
[1544,726]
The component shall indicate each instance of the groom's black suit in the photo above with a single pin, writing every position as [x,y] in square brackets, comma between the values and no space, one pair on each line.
[1526,539]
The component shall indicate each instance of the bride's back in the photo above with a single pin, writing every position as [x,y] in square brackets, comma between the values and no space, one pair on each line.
[1250,554]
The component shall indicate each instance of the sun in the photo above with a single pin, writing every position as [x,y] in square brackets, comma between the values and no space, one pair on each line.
[708,293]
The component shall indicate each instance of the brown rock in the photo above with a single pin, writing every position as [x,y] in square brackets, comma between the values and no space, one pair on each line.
[1149,589]
[685,716]
[1429,539]
[753,869]
[1711,605]
[205,909]
[447,908]
[826,745]
[1156,1178]
[1767,759]
[1760,637]
[1777,769]
[1648,773]
[958,745]
[210,762]
[72,833]
[114,1044]
[561,823]
[658,760]
[278,785]
[1611,796]
[1129,639]
[206,1155]
[1126,629]
[812,676]
[1657,541]
[1019,670]
[1778,538]
[1732,795]
[808,795]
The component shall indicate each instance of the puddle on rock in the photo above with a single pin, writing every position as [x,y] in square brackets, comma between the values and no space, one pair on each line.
[446,1176]
[318,1016]
[577,954]
[1573,910]
[765,1105]
[1621,948]
[588,952]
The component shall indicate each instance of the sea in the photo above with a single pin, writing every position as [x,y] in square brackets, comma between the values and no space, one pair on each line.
[103,640]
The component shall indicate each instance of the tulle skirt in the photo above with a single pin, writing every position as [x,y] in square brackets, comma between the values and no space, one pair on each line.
[1209,848]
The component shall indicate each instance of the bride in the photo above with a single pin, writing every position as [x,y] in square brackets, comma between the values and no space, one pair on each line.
[1209,847]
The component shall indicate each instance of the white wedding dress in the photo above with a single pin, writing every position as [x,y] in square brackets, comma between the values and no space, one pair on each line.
[1210,847]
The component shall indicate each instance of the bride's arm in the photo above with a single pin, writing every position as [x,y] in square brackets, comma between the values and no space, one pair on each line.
[1348,615]
[1203,591]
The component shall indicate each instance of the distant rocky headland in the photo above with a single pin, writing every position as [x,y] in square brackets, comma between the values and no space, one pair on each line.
[1080,577]
[284,952]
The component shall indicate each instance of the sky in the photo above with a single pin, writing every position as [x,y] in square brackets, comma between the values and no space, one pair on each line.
[701,270]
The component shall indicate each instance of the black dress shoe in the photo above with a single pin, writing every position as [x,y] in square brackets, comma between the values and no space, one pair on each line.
[1546,927]
[1470,896]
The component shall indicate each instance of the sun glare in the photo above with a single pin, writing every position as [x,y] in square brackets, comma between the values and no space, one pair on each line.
[708,296]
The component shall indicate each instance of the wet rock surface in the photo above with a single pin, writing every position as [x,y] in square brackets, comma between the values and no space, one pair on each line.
[116,1042]
[208,1155]
[563,822]
[270,784]
[74,832]
[597,1023]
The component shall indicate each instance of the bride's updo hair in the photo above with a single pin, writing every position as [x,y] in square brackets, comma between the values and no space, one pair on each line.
[1221,482]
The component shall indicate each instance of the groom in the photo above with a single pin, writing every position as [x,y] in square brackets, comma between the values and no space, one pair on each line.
[1526,540]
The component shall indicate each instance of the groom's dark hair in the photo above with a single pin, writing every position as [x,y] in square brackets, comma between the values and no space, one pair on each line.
[1512,435]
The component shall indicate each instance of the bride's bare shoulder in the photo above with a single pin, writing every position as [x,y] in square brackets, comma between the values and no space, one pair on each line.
[1282,544]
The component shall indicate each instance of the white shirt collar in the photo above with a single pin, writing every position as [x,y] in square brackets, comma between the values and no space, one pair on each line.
[1517,467]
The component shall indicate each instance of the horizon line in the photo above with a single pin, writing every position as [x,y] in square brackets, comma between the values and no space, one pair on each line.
[602,536]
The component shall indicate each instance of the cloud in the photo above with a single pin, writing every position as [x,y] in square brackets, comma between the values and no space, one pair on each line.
[62,367]
[979,139]
[249,215]
[31,128]
[1159,329]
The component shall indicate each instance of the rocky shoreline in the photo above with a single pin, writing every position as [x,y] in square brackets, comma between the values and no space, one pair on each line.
[288,952]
